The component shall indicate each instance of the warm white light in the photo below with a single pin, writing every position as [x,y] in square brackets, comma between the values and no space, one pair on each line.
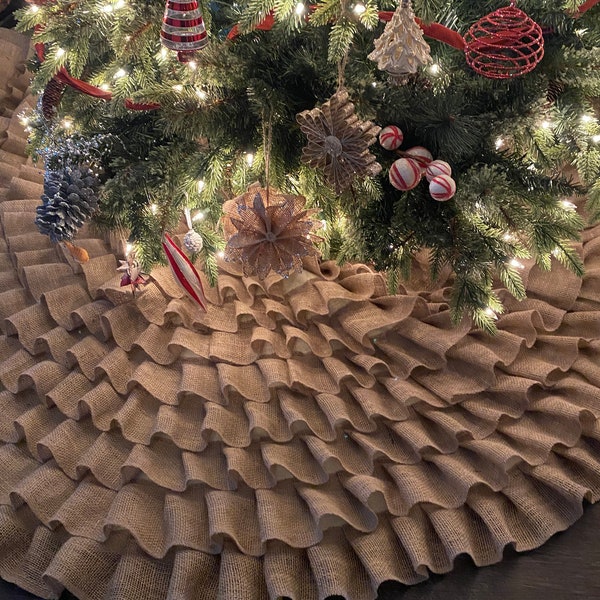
[107,8]
[24,120]
[128,249]
[508,237]
[374,84]
[105,87]
[178,87]
[67,123]
[163,52]
[300,9]
[220,254]
[193,65]
[556,251]
[596,139]
[434,69]
[499,143]
[546,124]
[34,8]
[120,4]
[60,52]
[568,205]
[120,73]
[491,313]
[516,264]
[198,216]
[249,159]
[201,94]
[200,185]
[153,209]
[359,8]
[324,224]
[587,119]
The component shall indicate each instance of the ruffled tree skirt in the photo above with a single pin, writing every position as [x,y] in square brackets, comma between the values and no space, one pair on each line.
[302,438]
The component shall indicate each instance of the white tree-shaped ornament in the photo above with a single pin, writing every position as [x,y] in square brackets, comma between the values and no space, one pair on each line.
[401,49]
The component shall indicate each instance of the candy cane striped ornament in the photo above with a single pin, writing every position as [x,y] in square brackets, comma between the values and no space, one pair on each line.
[437,167]
[405,174]
[183,29]
[421,155]
[391,137]
[442,188]
[184,272]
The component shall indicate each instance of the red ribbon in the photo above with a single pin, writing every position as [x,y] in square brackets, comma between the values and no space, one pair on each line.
[586,6]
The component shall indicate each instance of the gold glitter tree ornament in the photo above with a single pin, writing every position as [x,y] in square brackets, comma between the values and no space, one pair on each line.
[269,231]
[338,142]
[401,49]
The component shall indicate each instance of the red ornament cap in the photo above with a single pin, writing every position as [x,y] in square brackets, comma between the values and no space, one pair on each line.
[504,44]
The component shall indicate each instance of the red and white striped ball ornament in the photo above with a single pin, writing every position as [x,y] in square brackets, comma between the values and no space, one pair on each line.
[421,155]
[391,137]
[437,167]
[405,174]
[442,188]
[183,29]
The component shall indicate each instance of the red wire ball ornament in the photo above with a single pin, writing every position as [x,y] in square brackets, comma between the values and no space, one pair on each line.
[504,44]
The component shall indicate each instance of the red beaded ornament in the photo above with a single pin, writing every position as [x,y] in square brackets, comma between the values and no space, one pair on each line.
[504,44]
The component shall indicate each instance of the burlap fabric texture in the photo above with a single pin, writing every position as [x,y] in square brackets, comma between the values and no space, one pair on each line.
[303,438]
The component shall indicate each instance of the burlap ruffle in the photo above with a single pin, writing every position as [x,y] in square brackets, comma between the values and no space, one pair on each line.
[303,438]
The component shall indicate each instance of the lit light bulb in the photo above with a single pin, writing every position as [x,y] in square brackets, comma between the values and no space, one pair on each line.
[568,205]
[153,209]
[359,8]
[300,9]
[516,264]
[107,8]
[163,53]
[67,123]
[220,254]
[490,312]
[105,87]
[128,249]
[120,73]
[178,87]
[586,118]
[60,52]
[201,94]
[120,4]
[434,69]
[198,216]
[24,120]
[193,65]
[249,159]
[200,185]
[596,139]
[499,143]
[324,224]
[556,251]
[374,84]
[546,124]
[34,8]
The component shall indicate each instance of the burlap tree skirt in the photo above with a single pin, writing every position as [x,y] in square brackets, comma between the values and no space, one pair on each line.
[303,438]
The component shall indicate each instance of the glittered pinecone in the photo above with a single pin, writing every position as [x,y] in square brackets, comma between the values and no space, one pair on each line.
[69,199]
[51,98]
[193,241]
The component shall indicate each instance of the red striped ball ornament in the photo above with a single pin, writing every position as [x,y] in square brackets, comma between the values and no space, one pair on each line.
[421,155]
[442,188]
[405,174]
[437,167]
[183,29]
[391,137]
